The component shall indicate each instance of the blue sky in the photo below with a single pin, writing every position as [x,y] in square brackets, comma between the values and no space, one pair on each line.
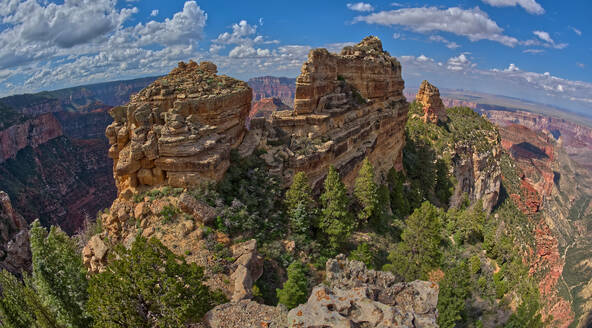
[533,49]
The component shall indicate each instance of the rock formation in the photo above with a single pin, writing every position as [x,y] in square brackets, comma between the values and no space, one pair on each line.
[180,129]
[433,108]
[15,254]
[348,106]
[357,297]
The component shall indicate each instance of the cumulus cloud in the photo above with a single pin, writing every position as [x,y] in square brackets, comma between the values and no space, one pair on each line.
[531,6]
[474,23]
[154,13]
[80,41]
[360,6]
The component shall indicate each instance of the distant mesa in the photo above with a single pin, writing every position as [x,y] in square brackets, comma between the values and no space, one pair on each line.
[433,107]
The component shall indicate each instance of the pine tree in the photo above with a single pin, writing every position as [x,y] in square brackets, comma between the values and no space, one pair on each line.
[399,202]
[336,219]
[366,192]
[59,277]
[454,290]
[301,207]
[295,289]
[14,310]
[149,286]
[419,250]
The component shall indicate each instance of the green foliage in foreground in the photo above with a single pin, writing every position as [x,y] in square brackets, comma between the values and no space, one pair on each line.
[59,278]
[295,290]
[337,221]
[300,206]
[366,192]
[419,250]
[149,286]
[454,290]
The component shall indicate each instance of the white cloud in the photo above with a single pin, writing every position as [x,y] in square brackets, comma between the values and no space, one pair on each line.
[474,23]
[82,41]
[360,6]
[396,36]
[549,41]
[449,44]
[581,65]
[459,63]
[531,6]
[512,68]
[576,31]
[154,13]
[533,51]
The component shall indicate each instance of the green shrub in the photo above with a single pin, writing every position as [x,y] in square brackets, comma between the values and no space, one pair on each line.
[295,290]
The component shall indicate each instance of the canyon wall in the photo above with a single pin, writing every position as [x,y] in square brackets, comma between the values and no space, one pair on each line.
[556,194]
[347,107]
[575,138]
[282,88]
[30,133]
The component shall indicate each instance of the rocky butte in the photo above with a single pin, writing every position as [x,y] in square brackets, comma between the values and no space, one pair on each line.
[348,106]
[180,129]
[433,107]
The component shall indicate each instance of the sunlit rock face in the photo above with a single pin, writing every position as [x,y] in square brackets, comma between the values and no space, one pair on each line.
[179,130]
[348,106]
[433,107]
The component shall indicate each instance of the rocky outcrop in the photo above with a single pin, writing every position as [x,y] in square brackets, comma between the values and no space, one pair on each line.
[348,106]
[477,172]
[30,133]
[282,88]
[248,267]
[15,254]
[244,314]
[448,102]
[357,297]
[429,97]
[180,129]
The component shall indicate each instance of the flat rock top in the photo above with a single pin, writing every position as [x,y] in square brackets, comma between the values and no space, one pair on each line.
[198,80]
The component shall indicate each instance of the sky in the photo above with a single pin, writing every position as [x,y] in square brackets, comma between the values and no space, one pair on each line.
[538,50]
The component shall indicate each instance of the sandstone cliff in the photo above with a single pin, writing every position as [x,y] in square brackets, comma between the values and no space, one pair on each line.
[179,131]
[348,106]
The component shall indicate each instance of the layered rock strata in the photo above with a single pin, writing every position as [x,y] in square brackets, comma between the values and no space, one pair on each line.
[433,107]
[282,88]
[180,129]
[348,106]
[357,297]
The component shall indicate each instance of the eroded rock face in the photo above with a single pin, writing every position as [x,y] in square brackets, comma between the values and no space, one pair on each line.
[179,130]
[433,107]
[15,254]
[357,297]
[348,106]
[32,132]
